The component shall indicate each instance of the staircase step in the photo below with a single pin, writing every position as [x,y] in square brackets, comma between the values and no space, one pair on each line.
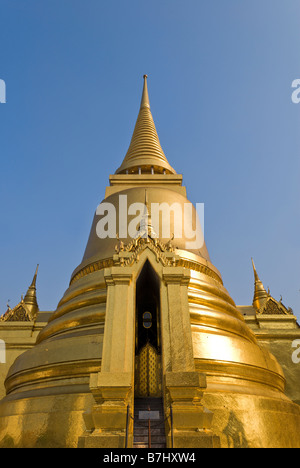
[157,426]
[154,439]
[136,445]
[144,431]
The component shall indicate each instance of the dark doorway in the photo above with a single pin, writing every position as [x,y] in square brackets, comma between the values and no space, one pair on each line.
[147,309]
[147,343]
[149,424]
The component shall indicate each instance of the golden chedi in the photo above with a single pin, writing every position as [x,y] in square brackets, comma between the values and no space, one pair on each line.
[147,322]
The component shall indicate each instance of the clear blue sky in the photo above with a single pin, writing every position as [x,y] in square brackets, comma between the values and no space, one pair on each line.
[220,74]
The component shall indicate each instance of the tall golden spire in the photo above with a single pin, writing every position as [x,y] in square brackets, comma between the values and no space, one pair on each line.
[30,298]
[260,294]
[145,153]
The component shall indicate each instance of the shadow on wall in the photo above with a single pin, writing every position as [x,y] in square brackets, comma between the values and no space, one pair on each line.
[235,433]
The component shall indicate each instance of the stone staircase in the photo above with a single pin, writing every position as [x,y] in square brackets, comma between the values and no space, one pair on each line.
[149,410]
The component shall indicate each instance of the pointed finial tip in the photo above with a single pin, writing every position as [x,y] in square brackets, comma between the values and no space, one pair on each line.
[36,271]
[145,98]
[254,270]
[145,76]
